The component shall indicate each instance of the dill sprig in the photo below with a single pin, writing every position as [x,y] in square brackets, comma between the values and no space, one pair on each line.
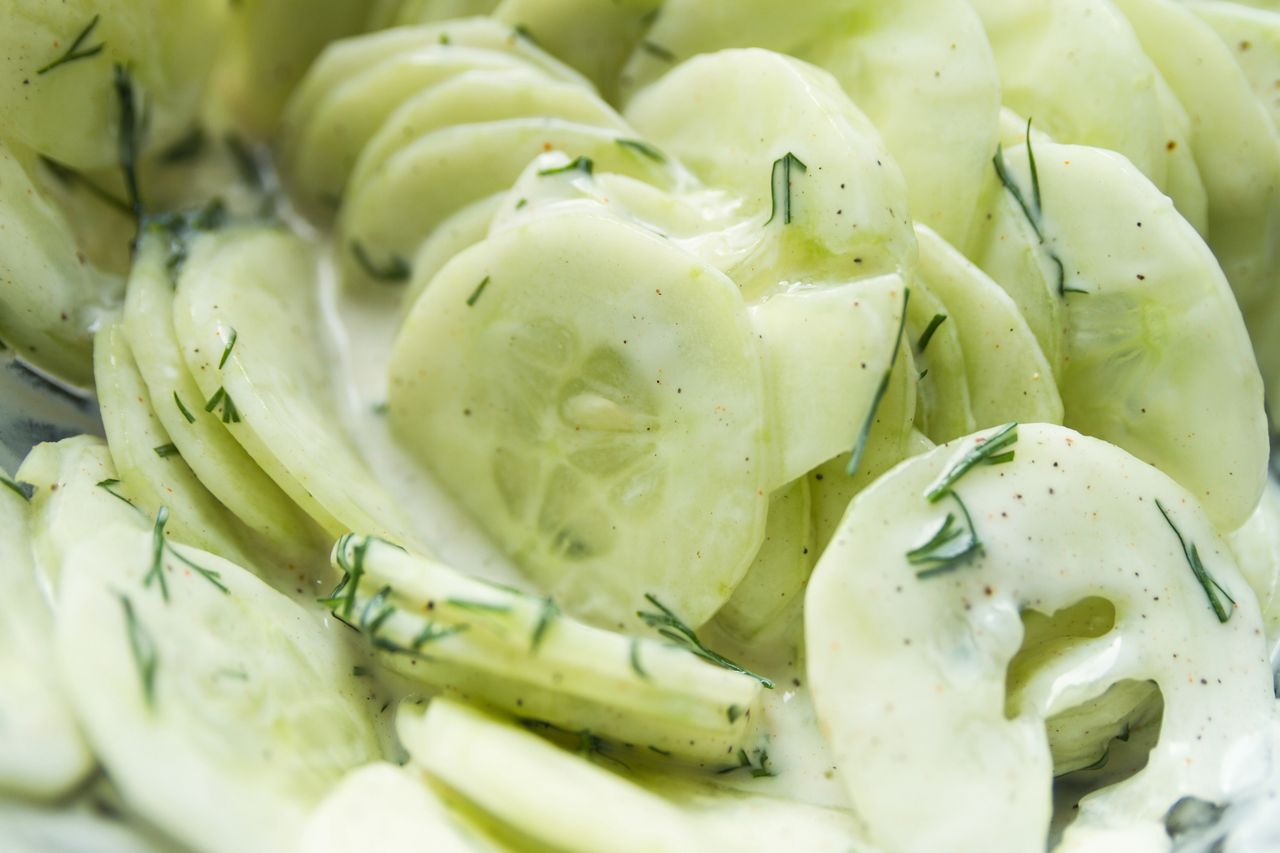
[927,334]
[860,443]
[745,763]
[781,174]
[475,294]
[950,546]
[482,606]
[164,451]
[69,177]
[13,487]
[657,51]
[549,613]
[643,148]
[634,658]
[231,344]
[186,413]
[109,485]
[145,655]
[670,626]
[343,596]
[1207,581]
[578,164]
[395,270]
[992,449]
[230,414]
[129,132]
[74,52]
[160,546]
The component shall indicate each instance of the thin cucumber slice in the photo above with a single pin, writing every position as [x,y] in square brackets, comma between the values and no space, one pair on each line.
[1056,59]
[943,411]
[593,397]
[780,569]
[516,652]
[922,71]
[213,454]
[42,753]
[595,38]
[505,770]
[1235,143]
[320,152]
[910,671]
[70,110]
[805,161]
[476,96]
[150,466]
[1253,36]
[244,312]
[76,488]
[220,686]
[462,745]
[1157,357]
[826,352]
[396,805]
[398,206]
[1009,377]
[48,299]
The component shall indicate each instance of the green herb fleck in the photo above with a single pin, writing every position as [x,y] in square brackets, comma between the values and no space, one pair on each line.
[13,487]
[164,451]
[128,134]
[521,203]
[348,555]
[860,443]
[187,148]
[657,51]
[664,753]
[668,625]
[71,178]
[1207,582]
[396,270]
[578,164]
[927,334]
[485,606]
[635,659]
[744,763]
[550,612]
[230,414]
[781,176]
[734,712]
[950,546]
[643,148]
[159,546]
[143,646]
[475,294]
[992,449]
[246,162]
[75,52]
[432,632]
[186,413]
[109,485]
[226,351]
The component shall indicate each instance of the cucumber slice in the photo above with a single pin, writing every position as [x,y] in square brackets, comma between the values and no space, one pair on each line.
[213,454]
[48,299]
[226,690]
[909,673]
[149,464]
[462,745]
[922,71]
[943,411]
[1158,360]
[780,569]
[320,149]
[504,770]
[481,96]
[515,652]
[1008,375]
[42,753]
[401,203]
[1253,36]
[1256,546]
[593,397]
[395,805]
[258,284]
[460,231]
[840,211]
[1056,59]
[1235,143]
[826,351]
[71,111]
[595,38]
[75,484]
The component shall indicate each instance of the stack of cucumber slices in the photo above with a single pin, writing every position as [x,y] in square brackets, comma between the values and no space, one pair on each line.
[653,425]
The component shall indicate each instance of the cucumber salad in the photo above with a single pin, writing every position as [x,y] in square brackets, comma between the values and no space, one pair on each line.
[648,425]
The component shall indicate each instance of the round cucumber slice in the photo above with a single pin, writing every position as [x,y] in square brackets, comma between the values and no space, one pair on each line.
[1157,357]
[1009,377]
[398,206]
[245,312]
[42,753]
[782,135]
[224,692]
[593,397]
[909,671]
